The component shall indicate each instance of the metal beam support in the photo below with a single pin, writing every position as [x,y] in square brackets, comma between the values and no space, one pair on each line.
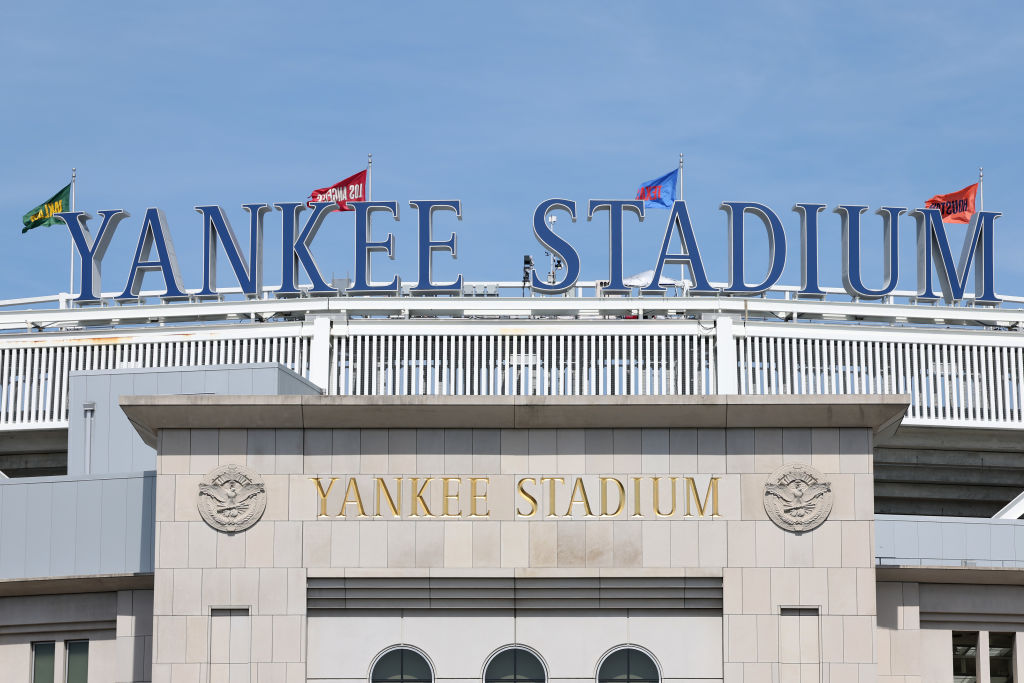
[1013,510]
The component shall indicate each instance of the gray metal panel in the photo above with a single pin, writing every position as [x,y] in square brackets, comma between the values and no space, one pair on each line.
[76,421]
[113,525]
[292,385]
[977,541]
[953,542]
[289,383]
[1018,545]
[116,446]
[147,383]
[265,380]
[77,526]
[39,521]
[12,522]
[215,382]
[929,540]
[240,382]
[89,513]
[98,392]
[905,540]
[168,383]
[885,540]
[949,541]
[1002,543]
[115,431]
[64,528]
[193,381]
[134,509]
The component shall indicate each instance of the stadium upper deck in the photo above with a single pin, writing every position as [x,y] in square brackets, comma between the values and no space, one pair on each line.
[963,366]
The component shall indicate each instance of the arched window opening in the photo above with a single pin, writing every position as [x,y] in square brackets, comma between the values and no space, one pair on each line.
[628,665]
[402,665]
[515,665]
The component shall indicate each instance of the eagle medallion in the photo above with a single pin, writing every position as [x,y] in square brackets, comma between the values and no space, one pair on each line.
[232,498]
[797,497]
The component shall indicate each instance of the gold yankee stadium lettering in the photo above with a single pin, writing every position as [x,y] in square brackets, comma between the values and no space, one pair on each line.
[660,497]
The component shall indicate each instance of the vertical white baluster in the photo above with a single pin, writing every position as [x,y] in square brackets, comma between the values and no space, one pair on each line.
[7,385]
[929,369]
[984,373]
[633,355]
[999,363]
[1018,381]
[999,356]
[948,393]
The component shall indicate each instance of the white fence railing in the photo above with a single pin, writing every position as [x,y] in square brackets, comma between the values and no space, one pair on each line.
[34,374]
[524,364]
[954,377]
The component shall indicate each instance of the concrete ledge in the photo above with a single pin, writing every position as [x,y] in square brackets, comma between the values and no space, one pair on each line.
[99,583]
[993,576]
[151,413]
[510,572]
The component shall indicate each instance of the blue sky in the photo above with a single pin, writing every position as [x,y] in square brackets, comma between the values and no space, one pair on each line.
[503,106]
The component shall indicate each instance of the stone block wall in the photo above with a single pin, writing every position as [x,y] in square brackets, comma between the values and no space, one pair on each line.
[917,620]
[117,624]
[794,606]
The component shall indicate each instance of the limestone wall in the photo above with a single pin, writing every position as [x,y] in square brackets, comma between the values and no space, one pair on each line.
[792,606]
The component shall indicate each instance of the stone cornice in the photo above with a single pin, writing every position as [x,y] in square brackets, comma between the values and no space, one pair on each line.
[149,414]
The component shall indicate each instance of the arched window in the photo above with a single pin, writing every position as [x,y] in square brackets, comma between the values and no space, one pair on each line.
[628,665]
[402,665]
[515,665]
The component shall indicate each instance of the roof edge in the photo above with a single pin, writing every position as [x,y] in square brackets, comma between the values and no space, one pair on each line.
[149,414]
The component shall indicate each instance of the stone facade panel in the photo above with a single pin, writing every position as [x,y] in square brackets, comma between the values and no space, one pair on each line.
[764,568]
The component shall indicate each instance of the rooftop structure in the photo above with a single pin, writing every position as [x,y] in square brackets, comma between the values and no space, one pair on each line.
[116,415]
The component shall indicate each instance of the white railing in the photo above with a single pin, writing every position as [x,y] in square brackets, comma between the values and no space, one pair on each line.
[781,302]
[952,378]
[34,372]
[955,377]
[524,364]
[674,289]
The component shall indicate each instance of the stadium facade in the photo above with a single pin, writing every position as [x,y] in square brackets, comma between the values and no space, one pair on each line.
[488,487]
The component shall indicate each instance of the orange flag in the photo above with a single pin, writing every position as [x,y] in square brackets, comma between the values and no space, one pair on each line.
[956,207]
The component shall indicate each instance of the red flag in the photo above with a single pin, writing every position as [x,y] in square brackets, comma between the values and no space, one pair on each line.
[351,189]
[956,207]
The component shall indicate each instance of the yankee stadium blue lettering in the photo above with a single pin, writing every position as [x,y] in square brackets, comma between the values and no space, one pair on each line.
[301,274]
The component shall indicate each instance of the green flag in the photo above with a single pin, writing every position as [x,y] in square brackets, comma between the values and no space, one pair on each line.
[44,213]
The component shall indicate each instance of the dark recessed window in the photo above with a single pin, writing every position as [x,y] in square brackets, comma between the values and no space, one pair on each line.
[628,664]
[965,657]
[42,662]
[515,665]
[77,661]
[402,666]
[1000,657]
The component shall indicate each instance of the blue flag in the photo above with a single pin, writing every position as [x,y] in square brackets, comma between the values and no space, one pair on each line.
[660,192]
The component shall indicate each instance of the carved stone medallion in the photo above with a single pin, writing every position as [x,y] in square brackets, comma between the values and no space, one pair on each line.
[797,497]
[232,498]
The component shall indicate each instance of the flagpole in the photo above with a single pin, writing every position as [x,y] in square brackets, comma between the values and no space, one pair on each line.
[981,189]
[680,175]
[369,169]
[682,266]
[71,244]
